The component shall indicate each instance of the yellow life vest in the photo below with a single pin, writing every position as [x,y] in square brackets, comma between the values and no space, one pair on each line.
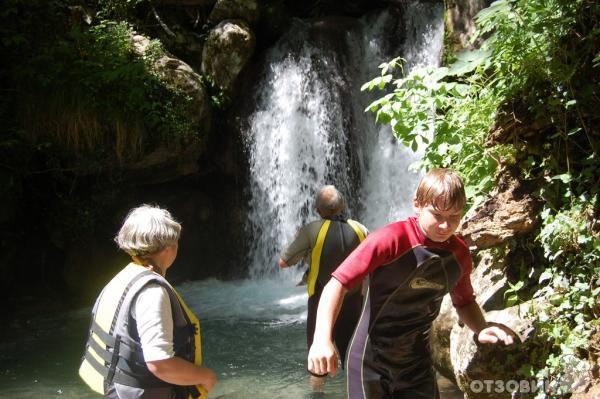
[315,257]
[112,355]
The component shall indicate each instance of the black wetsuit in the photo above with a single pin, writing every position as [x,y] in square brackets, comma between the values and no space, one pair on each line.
[340,239]
[389,356]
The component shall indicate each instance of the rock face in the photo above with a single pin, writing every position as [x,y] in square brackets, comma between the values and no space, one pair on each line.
[511,211]
[162,163]
[246,10]
[229,47]
[460,23]
[212,221]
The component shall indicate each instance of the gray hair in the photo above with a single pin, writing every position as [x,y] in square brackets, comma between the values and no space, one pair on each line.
[330,201]
[146,230]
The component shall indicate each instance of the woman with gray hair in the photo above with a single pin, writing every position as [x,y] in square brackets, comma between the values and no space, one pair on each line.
[144,342]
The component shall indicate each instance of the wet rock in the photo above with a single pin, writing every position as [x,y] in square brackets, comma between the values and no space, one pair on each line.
[229,47]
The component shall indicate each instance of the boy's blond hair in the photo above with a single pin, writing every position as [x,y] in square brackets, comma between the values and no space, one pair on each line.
[443,189]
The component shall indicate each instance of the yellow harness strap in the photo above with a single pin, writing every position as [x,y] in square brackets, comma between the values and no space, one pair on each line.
[202,394]
[315,258]
[357,229]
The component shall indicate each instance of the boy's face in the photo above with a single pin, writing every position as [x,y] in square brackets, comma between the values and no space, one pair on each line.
[438,225]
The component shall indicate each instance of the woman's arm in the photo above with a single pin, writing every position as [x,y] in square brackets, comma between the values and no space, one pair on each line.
[155,328]
[181,372]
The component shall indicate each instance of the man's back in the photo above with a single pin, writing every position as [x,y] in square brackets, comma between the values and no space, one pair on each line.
[324,244]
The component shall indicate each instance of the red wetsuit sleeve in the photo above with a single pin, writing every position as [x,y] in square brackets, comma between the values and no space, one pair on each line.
[379,248]
[462,294]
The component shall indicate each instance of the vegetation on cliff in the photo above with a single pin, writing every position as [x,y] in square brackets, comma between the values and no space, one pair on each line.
[527,99]
[77,103]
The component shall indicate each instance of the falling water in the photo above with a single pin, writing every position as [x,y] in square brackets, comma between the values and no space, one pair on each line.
[389,183]
[309,127]
[297,143]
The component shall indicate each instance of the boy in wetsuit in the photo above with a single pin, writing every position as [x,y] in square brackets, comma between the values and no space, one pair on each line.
[412,264]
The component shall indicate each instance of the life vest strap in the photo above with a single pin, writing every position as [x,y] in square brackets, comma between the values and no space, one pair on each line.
[113,361]
[122,377]
[104,353]
[101,369]
[108,339]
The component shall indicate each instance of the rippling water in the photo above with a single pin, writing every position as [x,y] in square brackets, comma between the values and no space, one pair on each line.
[253,337]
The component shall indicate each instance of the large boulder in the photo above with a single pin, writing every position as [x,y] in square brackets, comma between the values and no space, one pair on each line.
[486,371]
[439,339]
[229,47]
[162,163]
[180,76]
[246,10]
[476,364]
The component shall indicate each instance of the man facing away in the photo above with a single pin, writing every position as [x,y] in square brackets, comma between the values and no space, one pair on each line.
[411,265]
[324,244]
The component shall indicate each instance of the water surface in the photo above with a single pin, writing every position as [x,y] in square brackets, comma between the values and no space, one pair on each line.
[253,337]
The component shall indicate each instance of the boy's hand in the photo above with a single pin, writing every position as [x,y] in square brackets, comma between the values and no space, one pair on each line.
[495,332]
[322,359]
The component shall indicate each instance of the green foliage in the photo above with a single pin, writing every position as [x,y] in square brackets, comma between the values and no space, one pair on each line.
[107,96]
[118,8]
[218,95]
[78,101]
[528,99]
[460,113]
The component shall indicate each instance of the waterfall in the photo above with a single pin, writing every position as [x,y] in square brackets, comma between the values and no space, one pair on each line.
[308,127]
[388,184]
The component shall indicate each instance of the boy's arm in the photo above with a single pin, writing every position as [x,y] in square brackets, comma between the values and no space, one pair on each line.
[487,333]
[322,356]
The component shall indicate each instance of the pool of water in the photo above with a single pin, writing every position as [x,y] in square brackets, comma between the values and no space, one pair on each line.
[253,337]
